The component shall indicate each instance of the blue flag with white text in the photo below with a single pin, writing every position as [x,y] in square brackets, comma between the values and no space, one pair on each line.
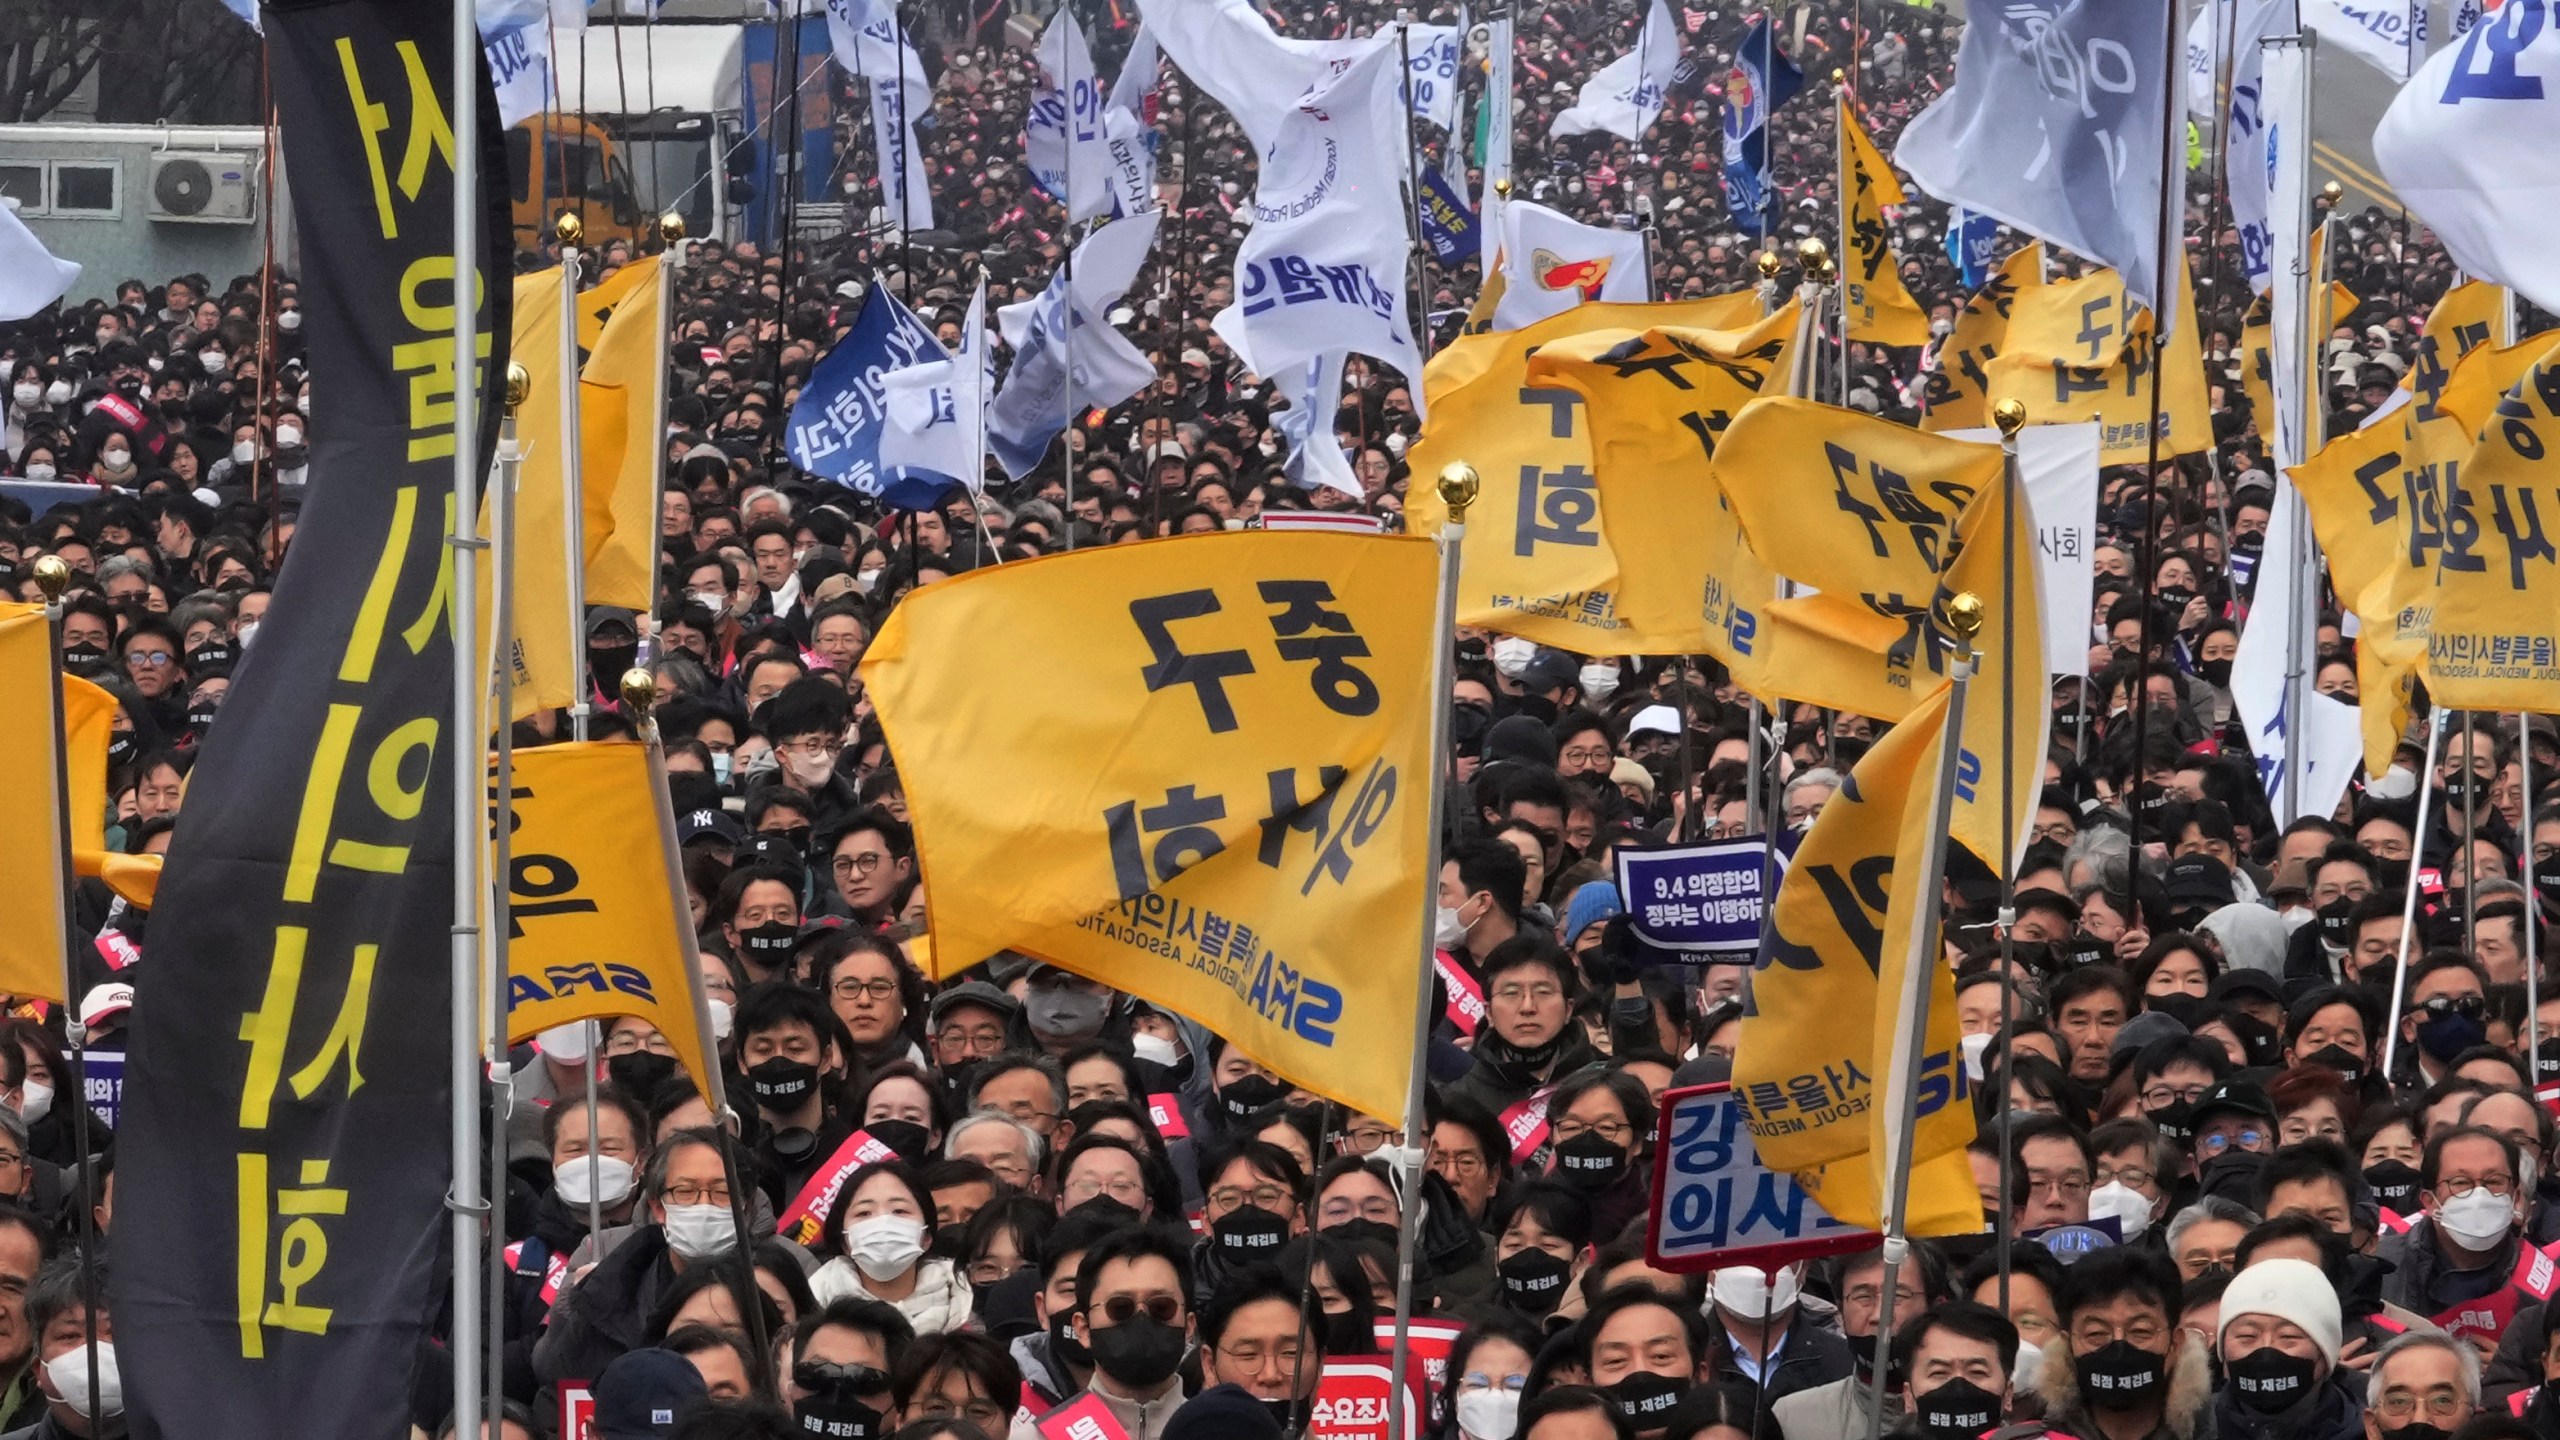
[1969,237]
[843,411]
[1761,80]
[1448,221]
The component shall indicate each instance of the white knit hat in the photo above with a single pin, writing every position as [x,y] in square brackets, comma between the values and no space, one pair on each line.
[2287,1289]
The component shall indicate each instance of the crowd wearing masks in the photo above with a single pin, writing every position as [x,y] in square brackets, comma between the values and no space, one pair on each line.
[2231,1188]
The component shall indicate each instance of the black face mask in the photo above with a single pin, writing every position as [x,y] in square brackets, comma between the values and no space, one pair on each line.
[607,662]
[1644,1398]
[2417,1430]
[783,1084]
[1533,1282]
[1375,1232]
[912,1141]
[2546,883]
[2394,874]
[2333,920]
[2185,1009]
[1350,1332]
[1587,1162]
[768,946]
[200,717]
[211,652]
[2119,1375]
[76,656]
[639,1073]
[1249,1232]
[1064,1344]
[2456,790]
[120,747]
[2216,673]
[2175,597]
[2177,1122]
[1287,1414]
[2447,1034]
[2086,949]
[1140,1352]
[831,1408]
[2338,1058]
[2395,1186]
[2270,1381]
[1245,1096]
[1957,1410]
[948,1239]
[2249,542]
[2233,1175]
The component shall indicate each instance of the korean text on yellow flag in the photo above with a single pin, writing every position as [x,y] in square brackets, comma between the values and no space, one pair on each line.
[33,945]
[1221,802]
[597,924]
[2470,315]
[1850,921]
[1880,310]
[1539,562]
[1957,386]
[2082,349]
[622,329]
[2493,633]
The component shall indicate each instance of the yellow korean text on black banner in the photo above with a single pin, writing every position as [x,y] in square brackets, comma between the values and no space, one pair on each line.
[286,1095]
[1233,772]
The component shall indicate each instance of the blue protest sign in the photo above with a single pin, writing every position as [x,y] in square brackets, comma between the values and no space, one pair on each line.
[1715,1204]
[1698,898]
[104,1070]
[836,426]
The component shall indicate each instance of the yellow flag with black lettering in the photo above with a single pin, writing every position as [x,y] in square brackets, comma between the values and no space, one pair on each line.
[1540,562]
[1658,404]
[541,653]
[1232,814]
[33,945]
[597,925]
[1888,525]
[1849,926]
[2081,349]
[2467,317]
[1957,386]
[626,351]
[2492,631]
[1880,310]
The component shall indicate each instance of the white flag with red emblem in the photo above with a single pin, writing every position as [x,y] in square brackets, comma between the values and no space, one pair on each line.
[1551,264]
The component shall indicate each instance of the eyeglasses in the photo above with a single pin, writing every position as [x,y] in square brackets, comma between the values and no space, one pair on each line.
[1086,1187]
[2158,1096]
[2453,1185]
[1253,1355]
[824,1375]
[1613,1131]
[1589,755]
[854,864]
[685,1192]
[1366,1142]
[977,1040]
[1162,1309]
[1527,994]
[814,748]
[2442,1404]
[1342,1209]
[2215,1144]
[989,1272]
[2130,1178]
[149,659]
[1464,1162]
[631,1042]
[857,989]
[1266,1197]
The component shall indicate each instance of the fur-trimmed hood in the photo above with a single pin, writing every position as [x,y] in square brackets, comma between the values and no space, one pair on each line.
[2182,1418]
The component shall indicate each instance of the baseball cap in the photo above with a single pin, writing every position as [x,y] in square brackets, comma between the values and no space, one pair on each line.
[1656,719]
[710,823]
[2237,1097]
[104,1003]
[640,1394]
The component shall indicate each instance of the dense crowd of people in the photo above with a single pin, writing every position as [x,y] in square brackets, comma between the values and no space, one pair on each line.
[2262,1149]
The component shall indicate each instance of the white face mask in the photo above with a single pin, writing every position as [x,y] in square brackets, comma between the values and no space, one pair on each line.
[723,1016]
[1974,1048]
[1448,931]
[601,1178]
[2131,1208]
[244,452]
[27,395]
[289,320]
[1155,1049]
[244,632]
[35,1101]
[715,601]
[1489,1414]
[701,1232]
[884,1247]
[1599,682]
[1747,1294]
[2477,1218]
[1511,655]
[213,361]
[302,402]
[866,580]
[40,472]
[69,1372]
[57,392]
[569,1044]
[288,436]
[116,459]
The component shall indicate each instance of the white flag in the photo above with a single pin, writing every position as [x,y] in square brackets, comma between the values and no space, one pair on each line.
[2248,131]
[869,43]
[1551,263]
[1137,78]
[1315,456]
[938,410]
[2205,35]
[30,276]
[2058,467]
[1063,135]
[515,35]
[1627,93]
[2329,737]
[2389,35]
[1065,353]
[2467,148]
[1229,50]
[1431,69]
[1497,139]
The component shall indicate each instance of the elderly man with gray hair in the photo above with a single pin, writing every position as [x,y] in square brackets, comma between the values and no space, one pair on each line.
[2424,1385]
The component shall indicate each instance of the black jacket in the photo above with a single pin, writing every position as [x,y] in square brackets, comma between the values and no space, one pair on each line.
[1812,1354]
[605,1316]
[2327,1413]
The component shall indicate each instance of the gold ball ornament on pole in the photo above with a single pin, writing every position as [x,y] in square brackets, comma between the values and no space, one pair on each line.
[670,227]
[1964,616]
[519,386]
[1458,486]
[1815,257]
[53,576]
[568,229]
[639,692]
[1767,263]
[2010,415]
[1502,187]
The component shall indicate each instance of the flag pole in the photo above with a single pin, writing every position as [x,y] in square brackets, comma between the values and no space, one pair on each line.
[2010,416]
[1458,486]
[671,260]
[469,1206]
[1754,799]
[1421,252]
[1802,372]
[573,520]
[1841,106]
[1910,1041]
[2302,578]
[2409,898]
[2532,903]
[53,577]
[498,821]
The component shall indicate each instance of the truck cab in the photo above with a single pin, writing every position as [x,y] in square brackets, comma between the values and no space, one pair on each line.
[564,162]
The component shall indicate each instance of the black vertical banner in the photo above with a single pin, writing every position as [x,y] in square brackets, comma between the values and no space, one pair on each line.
[281,1165]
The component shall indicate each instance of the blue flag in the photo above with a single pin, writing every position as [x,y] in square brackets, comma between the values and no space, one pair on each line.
[1448,221]
[836,428]
[1761,80]
[1969,237]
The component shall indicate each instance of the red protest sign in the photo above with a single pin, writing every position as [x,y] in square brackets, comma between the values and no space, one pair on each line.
[1427,1345]
[1166,1111]
[1083,1418]
[577,1411]
[1351,1402]
[806,1220]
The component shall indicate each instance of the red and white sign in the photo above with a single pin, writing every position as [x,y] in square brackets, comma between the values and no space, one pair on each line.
[1427,1344]
[806,1220]
[577,1411]
[1351,1402]
[1166,1111]
[1083,1418]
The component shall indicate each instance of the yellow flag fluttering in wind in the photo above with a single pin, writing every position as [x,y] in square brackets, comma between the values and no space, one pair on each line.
[543,655]
[1540,562]
[2468,316]
[1880,310]
[597,925]
[1958,386]
[33,945]
[1850,923]
[2082,350]
[1888,525]
[1233,760]
[627,351]
[2481,379]
[88,723]
[2257,341]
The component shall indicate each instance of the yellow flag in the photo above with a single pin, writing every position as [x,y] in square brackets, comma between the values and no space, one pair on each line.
[545,656]
[1958,386]
[2257,338]
[1539,560]
[1888,525]
[2481,379]
[1850,923]
[597,924]
[628,352]
[33,945]
[88,716]
[1233,810]
[1880,310]
[2492,631]
[2082,349]
[1659,405]
[2467,317]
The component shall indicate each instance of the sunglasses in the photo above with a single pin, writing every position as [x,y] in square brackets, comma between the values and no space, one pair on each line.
[1162,1309]
[823,1376]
